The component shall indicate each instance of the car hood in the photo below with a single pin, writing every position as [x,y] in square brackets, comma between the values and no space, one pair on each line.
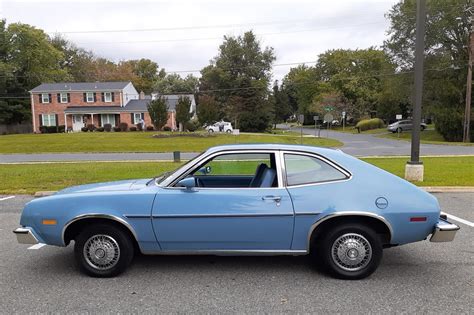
[122,185]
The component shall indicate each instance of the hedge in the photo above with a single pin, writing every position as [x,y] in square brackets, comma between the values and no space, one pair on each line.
[368,124]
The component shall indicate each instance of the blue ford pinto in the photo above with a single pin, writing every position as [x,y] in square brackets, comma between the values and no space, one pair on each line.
[256,199]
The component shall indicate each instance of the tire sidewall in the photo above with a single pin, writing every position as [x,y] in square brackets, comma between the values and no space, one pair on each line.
[372,238]
[123,241]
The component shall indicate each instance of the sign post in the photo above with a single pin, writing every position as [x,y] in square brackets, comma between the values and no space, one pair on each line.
[398,117]
[315,118]
[301,121]
[328,119]
[343,120]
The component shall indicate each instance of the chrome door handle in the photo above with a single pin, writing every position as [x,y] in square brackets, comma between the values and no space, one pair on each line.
[277,199]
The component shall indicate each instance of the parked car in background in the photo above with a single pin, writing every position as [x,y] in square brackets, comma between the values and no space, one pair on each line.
[254,199]
[221,126]
[404,125]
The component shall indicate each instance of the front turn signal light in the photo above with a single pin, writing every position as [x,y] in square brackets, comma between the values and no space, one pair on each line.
[49,222]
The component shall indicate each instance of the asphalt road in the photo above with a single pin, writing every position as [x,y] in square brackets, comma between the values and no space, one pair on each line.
[422,277]
[371,145]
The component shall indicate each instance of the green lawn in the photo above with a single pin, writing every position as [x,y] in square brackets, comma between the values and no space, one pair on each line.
[427,136]
[139,142]
[29,178]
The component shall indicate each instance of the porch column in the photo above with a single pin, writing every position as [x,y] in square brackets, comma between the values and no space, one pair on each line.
[92,119]
[65,122]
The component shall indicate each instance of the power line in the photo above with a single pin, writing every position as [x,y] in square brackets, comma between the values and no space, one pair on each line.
[297,83]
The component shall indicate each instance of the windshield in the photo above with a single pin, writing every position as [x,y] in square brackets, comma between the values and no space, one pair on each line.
[161,177]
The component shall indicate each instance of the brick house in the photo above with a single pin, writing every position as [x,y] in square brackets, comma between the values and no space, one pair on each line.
[76,105]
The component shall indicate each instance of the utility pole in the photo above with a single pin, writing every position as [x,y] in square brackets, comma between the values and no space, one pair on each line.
[467,111]
[414,168]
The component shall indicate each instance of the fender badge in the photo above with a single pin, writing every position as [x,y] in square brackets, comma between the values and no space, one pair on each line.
[381,203]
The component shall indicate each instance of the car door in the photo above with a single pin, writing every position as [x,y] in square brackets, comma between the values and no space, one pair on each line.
[223,218]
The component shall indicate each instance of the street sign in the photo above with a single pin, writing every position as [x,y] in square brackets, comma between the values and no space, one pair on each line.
[301,118]
[329,108]
[398,116]
[315,118]
[328,118]
[343,114]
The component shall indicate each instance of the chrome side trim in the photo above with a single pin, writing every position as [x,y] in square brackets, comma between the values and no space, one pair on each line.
[137,216]
[231,252]
[347,213]
[97,216]
[223,215]
[25,236]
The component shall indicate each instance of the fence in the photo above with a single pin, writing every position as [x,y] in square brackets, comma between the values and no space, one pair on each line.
[16,128]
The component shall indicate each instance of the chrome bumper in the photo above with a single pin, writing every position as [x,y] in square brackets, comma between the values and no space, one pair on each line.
[444,231]
[25,236]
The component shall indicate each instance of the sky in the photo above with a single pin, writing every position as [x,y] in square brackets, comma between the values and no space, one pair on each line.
[184,35]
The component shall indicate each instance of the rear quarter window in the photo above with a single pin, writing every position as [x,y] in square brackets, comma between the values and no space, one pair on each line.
[303,169]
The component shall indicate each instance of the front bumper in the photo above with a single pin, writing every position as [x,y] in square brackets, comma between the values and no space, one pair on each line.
[444,231]
[25,236]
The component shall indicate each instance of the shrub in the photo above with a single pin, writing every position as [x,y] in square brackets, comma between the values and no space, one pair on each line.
[150,128]
[123,126]
[139,127]
[450,124]
[166,128]
[108,127]
[133,128]
[117,129]
[84,129]
[90,127]
[100,129]
[52,129]
[368,124]
[191,126]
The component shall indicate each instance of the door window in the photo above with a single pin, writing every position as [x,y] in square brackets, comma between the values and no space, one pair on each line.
[303,169]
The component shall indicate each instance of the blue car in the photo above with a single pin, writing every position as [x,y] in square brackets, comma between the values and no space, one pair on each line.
[256,199]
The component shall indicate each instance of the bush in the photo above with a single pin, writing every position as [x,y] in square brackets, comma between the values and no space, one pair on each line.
[450,124]
[117,129]
[133,128]
[191,126]
[90,127]
[150,128]
[166,128]
[368,124]
[100,129]
[52,129]
[108,127]
[84,129]
[139,127]
[123,126]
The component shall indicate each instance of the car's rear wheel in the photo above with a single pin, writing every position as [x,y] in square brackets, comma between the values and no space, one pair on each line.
[351,251]
[210,130]
[103,250]
[229,131]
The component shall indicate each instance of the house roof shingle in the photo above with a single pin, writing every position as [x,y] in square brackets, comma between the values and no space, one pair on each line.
[80,86]
[141,105]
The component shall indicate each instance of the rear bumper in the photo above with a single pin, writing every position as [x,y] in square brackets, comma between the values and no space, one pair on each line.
[25,236]
[444,231]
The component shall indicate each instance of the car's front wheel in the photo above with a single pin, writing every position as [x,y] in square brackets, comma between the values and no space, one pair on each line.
[351,251]
[103,250]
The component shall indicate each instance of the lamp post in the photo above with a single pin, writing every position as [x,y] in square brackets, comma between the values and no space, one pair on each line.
[414,168]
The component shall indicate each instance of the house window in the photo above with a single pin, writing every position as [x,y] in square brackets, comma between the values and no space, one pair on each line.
[107,119]
[63,98]
[108,97]
[48,119]
[90,97]
[45,98]
[137,117]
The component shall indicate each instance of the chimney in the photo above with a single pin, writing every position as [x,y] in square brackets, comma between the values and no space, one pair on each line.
[142,95]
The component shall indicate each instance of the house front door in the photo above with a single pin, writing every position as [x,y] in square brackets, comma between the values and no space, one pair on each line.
[77,122]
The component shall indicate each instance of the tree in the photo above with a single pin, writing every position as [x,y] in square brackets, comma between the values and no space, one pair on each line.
[182,111]
[207,109]
[158,111]
[144,73]
[446,57]
[174,83]
[282,109]
[238,78]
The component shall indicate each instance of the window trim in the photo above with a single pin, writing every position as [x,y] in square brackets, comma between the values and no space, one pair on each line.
[43,98]
[316,156]
[135,118]
[87,97]
[206,158]
[61,97]
[110,97]
[102,123]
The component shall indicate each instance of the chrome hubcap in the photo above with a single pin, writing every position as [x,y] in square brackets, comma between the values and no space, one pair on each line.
[101,252]
[351,252]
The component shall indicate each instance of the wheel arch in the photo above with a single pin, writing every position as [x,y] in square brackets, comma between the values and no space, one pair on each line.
[375,221]
[74,226]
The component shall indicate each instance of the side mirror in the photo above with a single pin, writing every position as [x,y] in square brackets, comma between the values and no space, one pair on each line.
[189,183]
[205,170]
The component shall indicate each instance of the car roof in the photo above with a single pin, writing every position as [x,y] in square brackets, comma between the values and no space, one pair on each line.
[274,146]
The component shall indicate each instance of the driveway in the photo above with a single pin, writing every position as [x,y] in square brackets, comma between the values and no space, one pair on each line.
[371,145]
[422,277]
